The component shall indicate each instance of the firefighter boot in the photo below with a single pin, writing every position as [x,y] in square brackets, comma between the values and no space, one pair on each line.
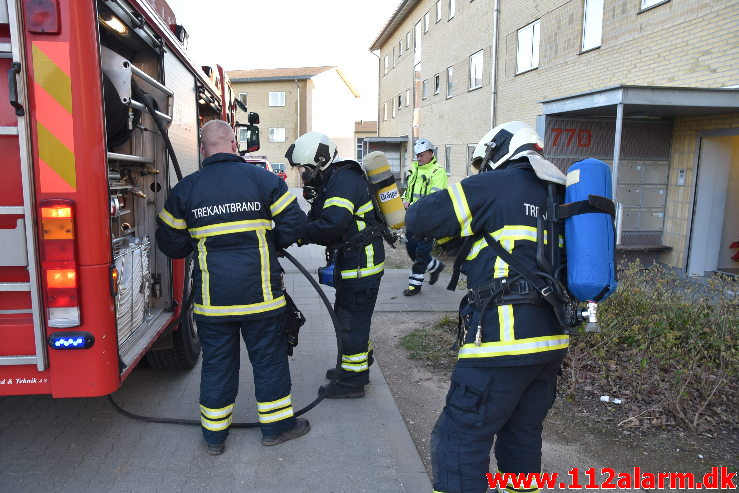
[302,426]
[336,390]
[412,291]
[215,448]
[435,273]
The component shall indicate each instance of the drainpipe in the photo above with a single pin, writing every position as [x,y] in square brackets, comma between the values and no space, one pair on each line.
[616,159]
[297,84]
[494,64]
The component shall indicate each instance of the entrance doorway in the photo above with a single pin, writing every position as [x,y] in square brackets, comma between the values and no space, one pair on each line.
[715,229]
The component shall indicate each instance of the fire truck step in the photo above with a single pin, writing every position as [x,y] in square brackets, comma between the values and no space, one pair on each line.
[15,286]
[17,360]
[8,130]
[6,50]
[11,210]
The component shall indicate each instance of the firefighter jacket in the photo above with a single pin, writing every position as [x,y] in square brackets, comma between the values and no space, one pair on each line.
[342,209]
[234,216]
[505,203]
[424,180]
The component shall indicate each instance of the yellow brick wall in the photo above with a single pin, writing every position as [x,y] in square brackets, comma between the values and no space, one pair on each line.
[679,207]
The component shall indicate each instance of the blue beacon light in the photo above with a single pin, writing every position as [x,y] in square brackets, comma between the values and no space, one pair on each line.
[71,340]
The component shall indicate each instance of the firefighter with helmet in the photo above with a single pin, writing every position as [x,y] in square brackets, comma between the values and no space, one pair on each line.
[511,346]
[426,177]
[340,218]
[225,213]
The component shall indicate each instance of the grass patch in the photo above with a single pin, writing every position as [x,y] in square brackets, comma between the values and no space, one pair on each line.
[433,345]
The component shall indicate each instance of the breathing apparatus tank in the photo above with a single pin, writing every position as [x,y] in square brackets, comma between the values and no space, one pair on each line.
[590,237]
[382,181]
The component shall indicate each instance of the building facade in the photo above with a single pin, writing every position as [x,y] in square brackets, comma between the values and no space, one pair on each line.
[293,101]
[648,86]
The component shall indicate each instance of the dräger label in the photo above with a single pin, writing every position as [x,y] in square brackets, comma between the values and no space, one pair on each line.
[389,195]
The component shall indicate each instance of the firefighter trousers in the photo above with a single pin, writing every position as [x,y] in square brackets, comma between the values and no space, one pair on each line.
[506,403]
[354,306]
[219,378]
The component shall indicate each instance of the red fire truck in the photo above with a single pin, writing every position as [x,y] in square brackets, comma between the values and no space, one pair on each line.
[102,102]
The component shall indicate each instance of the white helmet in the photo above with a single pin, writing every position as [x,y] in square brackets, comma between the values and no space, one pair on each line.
[313,149]
[422,145]
[503,142]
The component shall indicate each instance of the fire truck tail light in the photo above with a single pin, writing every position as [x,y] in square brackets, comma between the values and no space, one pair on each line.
[59,263]
[42,16]
[71,340]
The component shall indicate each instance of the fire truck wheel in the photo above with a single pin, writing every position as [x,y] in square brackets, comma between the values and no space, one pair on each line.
[185,350]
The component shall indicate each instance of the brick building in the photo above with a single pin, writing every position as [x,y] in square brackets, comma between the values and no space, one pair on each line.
[649,86]
[293,101]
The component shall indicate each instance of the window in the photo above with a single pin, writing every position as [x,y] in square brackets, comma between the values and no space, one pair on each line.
[400,101]
[448,159]
[400,48]
[470,152]
[387,64]
[452,8]
[277,98]
[278,167]
[243,97]
[243,134]
[527,56]
[276,134]
[407,97]
[449,82]
[407,41]
[476,70]
[436,151]
[360,148]
[417,32]
[394,56]
[438,11]
[426,22]
[384,110]
[592,24]
[645,4]
[392,102]
[437,83]
[425,89]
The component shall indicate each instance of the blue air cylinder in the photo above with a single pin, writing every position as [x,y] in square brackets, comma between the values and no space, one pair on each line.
[590,238]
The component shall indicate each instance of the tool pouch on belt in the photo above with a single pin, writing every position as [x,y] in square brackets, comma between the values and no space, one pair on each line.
[464,322]
[294,320]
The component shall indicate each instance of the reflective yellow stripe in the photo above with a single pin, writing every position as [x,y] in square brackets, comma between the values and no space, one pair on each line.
[222,311]
[501,267]
[356,273]
[521,346]
[230,227]
[276,416]
[509,233]
[264,259]
[172,221]
[277,404]
[216,413]
[205,275]
[215,425]
[461,209]
[369,252]
[281,203]
[505,322]
[339,202]
[365,208]
[353,358]
[355,367]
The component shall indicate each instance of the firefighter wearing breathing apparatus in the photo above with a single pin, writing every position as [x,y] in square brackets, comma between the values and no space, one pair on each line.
[235,217]
[511,342]
[343,218]
[426,177]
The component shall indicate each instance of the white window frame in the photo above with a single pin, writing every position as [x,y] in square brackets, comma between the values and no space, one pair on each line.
[647,4]
[437,84]
[387,64]
[426,22]
[527,47]
[392,103]
[592,24]
[408,41]
[394,60]
[476,69]
[384,111]
[470,152]
[425,89]
[448,159]
[400,48]
[276,98]
[438,11]
[244,97]
[449,82]
[452,8]
[277,167]
[407,97]
[400,101]
[273,134]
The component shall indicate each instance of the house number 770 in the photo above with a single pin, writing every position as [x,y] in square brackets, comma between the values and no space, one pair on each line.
[584,136]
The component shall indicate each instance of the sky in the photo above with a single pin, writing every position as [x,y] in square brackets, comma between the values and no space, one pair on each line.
[248,34]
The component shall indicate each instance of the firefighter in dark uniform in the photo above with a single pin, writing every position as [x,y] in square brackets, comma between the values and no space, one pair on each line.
[234,217]
[342,219]
[504,382]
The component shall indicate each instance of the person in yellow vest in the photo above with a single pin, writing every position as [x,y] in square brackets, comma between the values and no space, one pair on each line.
[426,177]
